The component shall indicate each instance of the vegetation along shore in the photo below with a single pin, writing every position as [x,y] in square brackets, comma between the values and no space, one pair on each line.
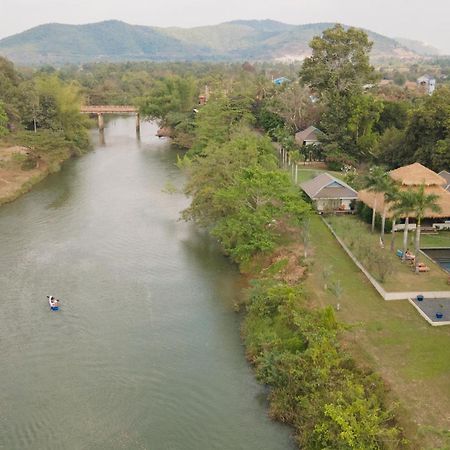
[345,369]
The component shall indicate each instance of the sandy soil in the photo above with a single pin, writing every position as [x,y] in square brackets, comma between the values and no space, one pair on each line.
[13,180]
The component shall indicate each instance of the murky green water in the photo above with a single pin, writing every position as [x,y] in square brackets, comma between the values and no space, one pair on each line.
[145,352]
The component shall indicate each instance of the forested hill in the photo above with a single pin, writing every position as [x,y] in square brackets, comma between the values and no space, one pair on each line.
[118,41]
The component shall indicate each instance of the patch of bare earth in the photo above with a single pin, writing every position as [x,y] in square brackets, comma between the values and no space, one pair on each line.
[12,177]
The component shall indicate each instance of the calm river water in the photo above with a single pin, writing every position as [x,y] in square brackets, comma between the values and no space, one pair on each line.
[145,352]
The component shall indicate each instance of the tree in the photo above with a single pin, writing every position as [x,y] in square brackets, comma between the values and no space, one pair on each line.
[337,70]
[3,120]
[427,138]
[402,207]
[339,63]
[379,182]
[422,202]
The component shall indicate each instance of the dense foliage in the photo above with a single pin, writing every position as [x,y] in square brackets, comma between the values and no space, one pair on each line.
[315,385]
[252,208]
[38,108]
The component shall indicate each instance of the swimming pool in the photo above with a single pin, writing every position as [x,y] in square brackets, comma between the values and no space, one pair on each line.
[440,255]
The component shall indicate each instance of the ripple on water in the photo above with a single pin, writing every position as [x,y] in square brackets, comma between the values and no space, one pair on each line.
[145,351]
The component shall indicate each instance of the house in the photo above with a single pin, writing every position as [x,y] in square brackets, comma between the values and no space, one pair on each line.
[281,80]
[427,83]
[446,175]
[329,193]
[308,136]
[412,176]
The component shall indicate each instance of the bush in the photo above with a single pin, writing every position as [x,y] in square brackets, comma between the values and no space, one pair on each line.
[315,385]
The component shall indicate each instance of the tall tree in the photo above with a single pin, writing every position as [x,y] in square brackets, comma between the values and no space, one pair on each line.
[422,202]
[378,181]
[402,207]
[337,71]
[339,63]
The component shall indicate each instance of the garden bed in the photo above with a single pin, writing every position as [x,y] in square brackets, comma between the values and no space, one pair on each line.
[383,265]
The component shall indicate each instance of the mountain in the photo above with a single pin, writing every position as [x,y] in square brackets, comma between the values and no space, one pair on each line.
[118,41]
[419,47]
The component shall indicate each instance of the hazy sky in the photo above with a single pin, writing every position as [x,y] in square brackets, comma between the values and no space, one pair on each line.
[428,21]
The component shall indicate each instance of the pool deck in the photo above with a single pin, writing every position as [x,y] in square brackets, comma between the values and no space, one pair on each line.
[428,308]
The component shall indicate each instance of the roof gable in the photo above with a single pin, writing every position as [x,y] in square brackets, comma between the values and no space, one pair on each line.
[415,175]
[322,186]
[309,134]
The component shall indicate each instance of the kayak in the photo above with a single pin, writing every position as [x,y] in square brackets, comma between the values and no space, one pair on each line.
[51,302]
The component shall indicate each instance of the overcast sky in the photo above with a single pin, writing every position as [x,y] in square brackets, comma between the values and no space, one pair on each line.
[427,21]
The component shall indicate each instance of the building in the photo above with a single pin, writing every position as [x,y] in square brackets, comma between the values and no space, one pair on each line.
[427,83]
[413,176]
[446,175]
[329,193]
[308,136]
[281,80]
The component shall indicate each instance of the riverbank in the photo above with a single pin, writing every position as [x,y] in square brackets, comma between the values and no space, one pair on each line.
[27,158]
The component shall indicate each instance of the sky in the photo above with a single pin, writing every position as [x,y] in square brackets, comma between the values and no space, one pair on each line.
[427,21]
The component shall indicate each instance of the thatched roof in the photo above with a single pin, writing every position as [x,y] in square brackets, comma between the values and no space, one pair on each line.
[373,199]
[415,175]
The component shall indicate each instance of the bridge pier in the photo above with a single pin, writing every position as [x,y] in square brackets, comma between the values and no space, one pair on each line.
[138,123]
[101,121]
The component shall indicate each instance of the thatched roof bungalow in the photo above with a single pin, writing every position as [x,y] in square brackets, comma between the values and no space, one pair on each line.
[410,177]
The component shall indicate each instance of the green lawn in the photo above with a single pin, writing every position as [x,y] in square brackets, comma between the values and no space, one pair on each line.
[390,337]
[305,174]
[436,240]
[403,278]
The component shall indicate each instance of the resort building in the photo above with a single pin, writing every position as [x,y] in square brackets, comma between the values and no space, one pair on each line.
[330,194]
[411,177]
[308,136]
[446,175]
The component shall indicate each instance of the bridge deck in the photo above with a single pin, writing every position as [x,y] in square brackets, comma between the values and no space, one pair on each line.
[108,109]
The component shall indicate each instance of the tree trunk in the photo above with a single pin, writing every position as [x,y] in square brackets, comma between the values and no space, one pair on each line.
[374,211]
[405,239]
[393,235]
[417,244]
[383,224]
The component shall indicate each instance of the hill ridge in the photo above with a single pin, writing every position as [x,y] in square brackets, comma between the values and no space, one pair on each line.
[116,40]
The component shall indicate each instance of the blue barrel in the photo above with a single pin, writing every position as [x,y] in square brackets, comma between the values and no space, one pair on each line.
[419,298]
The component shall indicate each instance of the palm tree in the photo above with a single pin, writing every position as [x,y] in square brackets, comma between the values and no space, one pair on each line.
[378,181]
[421,202]
[390,198]
[402,207]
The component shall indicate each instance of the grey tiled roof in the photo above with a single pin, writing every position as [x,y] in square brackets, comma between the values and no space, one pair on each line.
[319,187]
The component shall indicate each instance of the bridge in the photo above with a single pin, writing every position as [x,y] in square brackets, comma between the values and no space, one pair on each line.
[100,110]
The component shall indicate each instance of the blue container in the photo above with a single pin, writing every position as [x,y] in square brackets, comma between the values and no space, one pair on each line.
[399,253]
[419,298]
[439,315]
[54,308]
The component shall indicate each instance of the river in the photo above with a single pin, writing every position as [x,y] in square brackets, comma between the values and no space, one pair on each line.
[145,352]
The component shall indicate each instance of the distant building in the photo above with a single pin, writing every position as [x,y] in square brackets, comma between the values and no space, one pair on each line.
[329,193]
[427,83]
[446,175]
[281,80]
[308,136]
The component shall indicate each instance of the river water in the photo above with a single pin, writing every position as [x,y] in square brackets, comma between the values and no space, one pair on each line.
[145,351]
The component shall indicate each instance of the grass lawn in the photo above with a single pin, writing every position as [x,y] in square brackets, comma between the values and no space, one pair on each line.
[391,338]
[305,174]
[403,278]
[435,240]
